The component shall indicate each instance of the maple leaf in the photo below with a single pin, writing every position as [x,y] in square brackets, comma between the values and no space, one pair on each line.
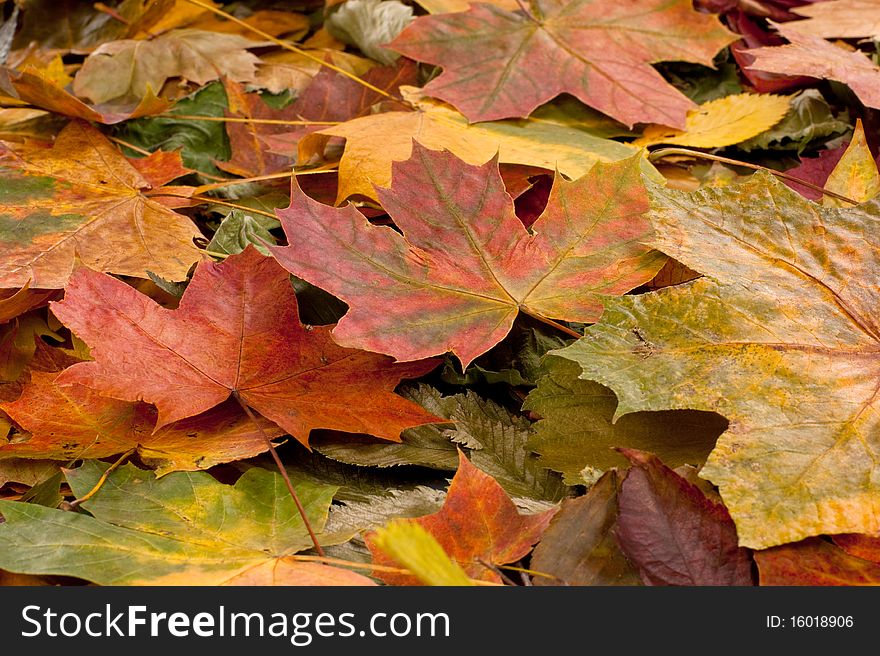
[816,57]
[181,529]
[500,64]
[73,422]
[814,562]
[550,139]
[235,332]
[862,546]
[465,266]
[844,19]
[782,340]
[131,68]
[82,199]
[478,522]
[333,97]
[579,547]
[672,533]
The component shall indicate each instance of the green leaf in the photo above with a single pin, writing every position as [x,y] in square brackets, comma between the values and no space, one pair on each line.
[576,430]
[515,361]
[701,83]
[240,229]
[809,119]
[182,528]
[200,142]
[496,437]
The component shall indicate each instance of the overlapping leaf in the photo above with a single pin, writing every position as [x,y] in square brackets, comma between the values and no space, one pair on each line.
[82,199]
[477,525]
[806,54]
[551,139]
[599,52]
[465,266]
[182,529]
[73,422]
[236,332]
[782,340]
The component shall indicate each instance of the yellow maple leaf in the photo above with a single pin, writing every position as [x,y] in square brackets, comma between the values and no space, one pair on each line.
[722,122]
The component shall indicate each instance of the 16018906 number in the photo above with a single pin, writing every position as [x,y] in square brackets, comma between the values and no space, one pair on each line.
[821,621]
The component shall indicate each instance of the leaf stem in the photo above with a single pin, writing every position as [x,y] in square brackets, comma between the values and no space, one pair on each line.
[663,152]
[282,471]
[260,178]
[236,119]
[88,495]
[292,48]
[216,201]
[550,322]
[369,566]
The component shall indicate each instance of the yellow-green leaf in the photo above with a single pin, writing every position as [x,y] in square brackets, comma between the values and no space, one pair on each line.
[182,529]
[855,175]
[418,551]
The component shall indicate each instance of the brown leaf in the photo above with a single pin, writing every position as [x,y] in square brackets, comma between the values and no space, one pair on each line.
[672,533]
[579,547]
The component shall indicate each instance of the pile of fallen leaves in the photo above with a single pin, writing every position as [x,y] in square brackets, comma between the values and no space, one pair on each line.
[525,293]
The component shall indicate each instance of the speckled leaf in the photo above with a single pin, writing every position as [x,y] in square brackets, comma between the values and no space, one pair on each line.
[576,430]
[83,199]
[465,266]
[599,52]
[236,330]
[182,529]
[478,521]
[782,339]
